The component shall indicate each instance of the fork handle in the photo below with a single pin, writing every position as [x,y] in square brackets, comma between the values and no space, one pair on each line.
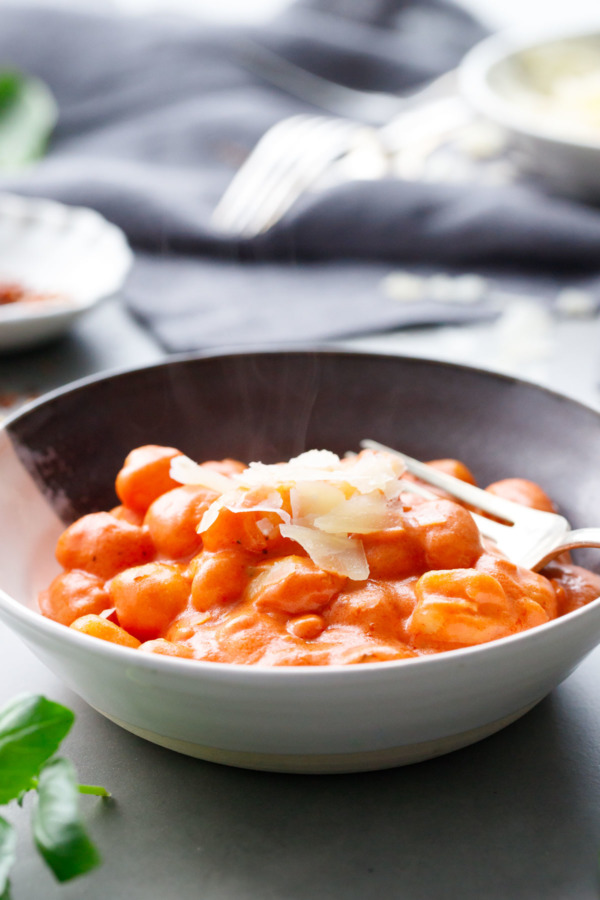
[579,537]
[500,507]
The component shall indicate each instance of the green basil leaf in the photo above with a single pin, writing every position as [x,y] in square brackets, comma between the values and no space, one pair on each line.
[57,828]
[8,841]
[31,729]
[27,116]
[9,88]
[96,790]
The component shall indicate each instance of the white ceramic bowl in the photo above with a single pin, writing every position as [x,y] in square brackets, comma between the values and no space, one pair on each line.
[51,248]
[513,79]
[58,459]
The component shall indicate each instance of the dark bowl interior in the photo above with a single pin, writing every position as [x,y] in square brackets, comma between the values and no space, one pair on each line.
[272,405]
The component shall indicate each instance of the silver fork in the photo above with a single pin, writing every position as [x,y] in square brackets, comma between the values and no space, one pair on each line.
[292,155]
[532,539]
[285,162]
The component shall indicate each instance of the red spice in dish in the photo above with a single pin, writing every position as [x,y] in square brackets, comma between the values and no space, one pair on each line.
[13,292]
[313,562]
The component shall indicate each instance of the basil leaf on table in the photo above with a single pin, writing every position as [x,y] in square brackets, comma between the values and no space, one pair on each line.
[57,829]
[8,840]
[28,114]
[31,730]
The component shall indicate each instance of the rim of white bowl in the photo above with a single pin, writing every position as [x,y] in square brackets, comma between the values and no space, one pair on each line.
[477,64]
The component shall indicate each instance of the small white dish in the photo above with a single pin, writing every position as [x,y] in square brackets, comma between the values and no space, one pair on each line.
[53,249]
[538,86]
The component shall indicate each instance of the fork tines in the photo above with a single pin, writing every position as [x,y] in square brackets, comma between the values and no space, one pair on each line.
[285,162]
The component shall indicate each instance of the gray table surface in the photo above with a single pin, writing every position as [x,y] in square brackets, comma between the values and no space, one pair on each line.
[514,816]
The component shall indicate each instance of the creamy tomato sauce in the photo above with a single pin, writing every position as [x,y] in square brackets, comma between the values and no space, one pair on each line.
[316,561]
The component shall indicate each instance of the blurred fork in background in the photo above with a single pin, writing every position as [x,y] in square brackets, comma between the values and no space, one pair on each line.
[294,154]
[286,161]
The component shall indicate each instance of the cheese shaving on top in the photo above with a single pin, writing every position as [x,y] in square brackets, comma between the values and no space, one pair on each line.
[328,499]
[359,514]
[236,501]
[186,471]
[309,499]
[332,552]
[364,473]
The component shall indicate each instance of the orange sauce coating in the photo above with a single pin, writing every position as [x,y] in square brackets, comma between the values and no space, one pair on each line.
[148,575]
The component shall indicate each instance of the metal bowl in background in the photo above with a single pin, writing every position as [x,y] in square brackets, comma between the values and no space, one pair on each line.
[543,89]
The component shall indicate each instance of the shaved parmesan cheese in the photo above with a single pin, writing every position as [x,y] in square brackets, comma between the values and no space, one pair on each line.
[365,472]
[314,498]
[334,553]
[264,507]
[266,527]
[211,515]
[111,614]
[259,498]
[234,501]
[359,514]
[317,459]
[330,498]
[372,471]
[186,471]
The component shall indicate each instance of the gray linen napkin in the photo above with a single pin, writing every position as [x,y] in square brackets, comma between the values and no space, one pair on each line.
[156,114]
